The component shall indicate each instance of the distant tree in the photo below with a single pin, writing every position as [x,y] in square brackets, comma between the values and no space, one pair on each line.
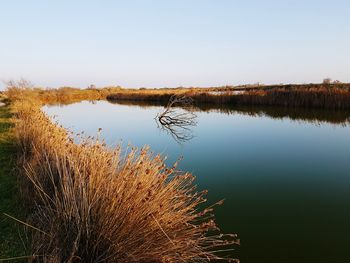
[16,88]
[92,86]
[327,81]
[19,84]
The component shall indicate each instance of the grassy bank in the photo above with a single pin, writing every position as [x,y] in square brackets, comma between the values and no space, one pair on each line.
[317,116]
[11,244]
[335,96]
[63,95]
[325,96]
[90,203]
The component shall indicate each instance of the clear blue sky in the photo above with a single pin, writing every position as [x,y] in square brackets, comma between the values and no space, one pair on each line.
[174,42]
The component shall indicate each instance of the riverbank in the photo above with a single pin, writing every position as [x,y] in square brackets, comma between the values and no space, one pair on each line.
[333,96]
[92,198]
[321,96]
[11,244]
[97,204]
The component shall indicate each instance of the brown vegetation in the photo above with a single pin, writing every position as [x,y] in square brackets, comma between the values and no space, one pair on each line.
[95,204]
[328,96]
[90,203]
[316,116]
[64,95]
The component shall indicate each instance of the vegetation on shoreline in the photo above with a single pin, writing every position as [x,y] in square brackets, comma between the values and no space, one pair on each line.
[95,204]
[335,96]
[327,96]
[65,95]
[92,203]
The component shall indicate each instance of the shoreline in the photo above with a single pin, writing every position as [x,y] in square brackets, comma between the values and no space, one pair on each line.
[61,179]
[330,96]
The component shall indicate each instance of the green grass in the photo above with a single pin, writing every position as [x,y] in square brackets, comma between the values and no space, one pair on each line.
[11,244]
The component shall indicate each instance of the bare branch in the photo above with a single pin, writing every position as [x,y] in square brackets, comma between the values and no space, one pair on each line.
[178,117]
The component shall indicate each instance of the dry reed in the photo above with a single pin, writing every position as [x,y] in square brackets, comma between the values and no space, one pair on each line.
[335,96]
[95,204]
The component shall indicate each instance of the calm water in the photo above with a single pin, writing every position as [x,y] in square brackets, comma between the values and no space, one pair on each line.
[285,174]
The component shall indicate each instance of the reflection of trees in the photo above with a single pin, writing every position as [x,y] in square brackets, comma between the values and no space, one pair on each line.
[178,118]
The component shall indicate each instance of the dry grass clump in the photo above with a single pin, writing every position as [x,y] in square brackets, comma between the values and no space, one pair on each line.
[95,204]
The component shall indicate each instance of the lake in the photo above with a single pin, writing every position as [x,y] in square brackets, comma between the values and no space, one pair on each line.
[284,173]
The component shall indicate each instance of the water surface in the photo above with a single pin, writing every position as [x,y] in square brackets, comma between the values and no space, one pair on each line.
[284,173]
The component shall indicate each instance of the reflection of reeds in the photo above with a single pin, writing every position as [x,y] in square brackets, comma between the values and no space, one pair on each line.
[316,116]
[313,116]
[94,204]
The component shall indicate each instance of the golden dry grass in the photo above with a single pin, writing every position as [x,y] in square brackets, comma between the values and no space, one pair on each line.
[329,96]
[95,204]
[335,96]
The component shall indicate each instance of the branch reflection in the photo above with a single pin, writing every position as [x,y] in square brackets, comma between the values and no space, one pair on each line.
[178,118]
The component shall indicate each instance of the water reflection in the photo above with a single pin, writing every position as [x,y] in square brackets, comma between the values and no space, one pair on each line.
[314,116]
[180,132]
[178,118]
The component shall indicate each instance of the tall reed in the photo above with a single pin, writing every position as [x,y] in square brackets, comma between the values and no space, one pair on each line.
[335,96]
[91,203]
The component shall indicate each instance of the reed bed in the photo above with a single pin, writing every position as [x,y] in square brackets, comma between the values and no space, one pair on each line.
[63,95]
[324,96]
[334,96]
[318,97]
[91,203]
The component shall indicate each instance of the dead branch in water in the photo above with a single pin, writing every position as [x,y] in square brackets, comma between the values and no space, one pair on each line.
[178,118]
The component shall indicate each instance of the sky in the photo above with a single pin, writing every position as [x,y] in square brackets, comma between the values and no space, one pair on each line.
[170,43]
